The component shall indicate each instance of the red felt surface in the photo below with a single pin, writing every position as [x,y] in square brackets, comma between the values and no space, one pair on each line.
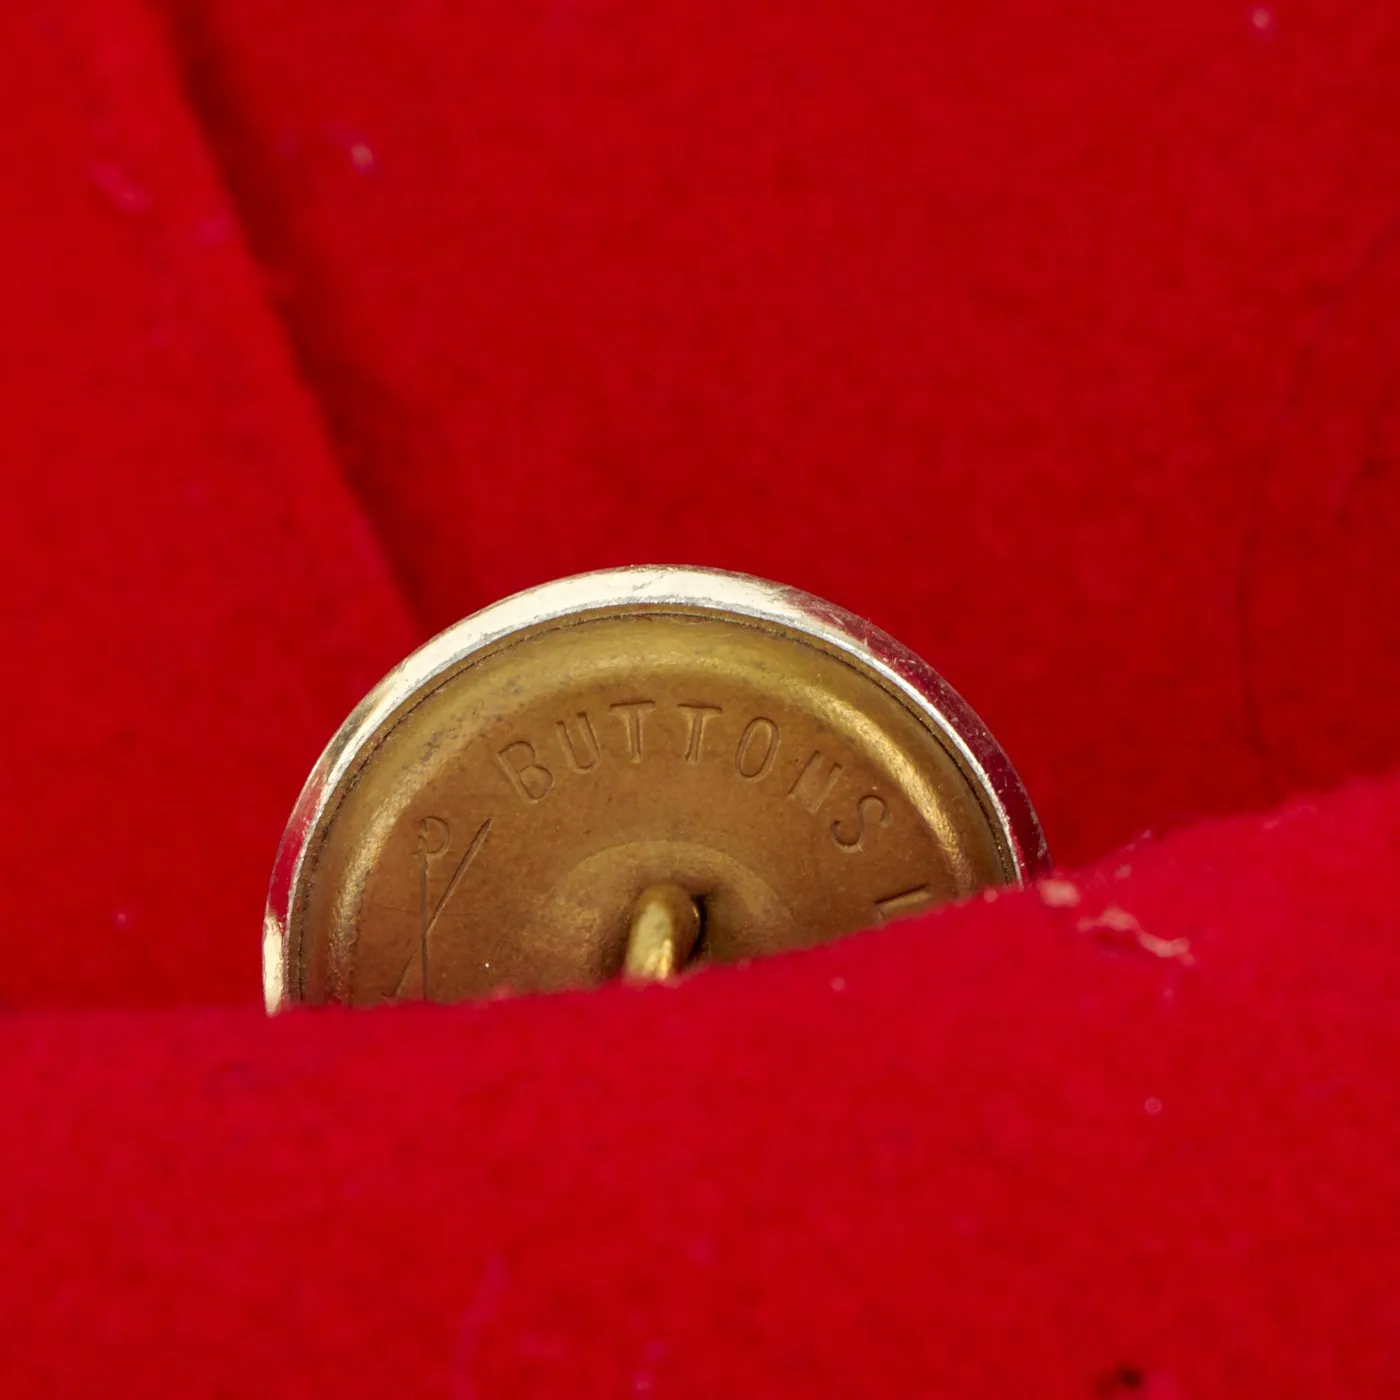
[1006,1151]
[1002,323]
[1062,340]
[193,599]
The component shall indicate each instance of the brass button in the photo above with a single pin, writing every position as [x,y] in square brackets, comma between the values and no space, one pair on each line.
[633,772]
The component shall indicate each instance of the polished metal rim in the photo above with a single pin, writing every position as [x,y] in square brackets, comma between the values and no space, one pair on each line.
[657,589]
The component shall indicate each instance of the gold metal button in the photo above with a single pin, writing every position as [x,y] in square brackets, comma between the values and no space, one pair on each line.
[628,773]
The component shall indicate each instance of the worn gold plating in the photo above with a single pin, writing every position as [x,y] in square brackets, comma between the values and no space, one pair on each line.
[502,812]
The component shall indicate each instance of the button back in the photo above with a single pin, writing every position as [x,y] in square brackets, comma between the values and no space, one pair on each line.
[501,811]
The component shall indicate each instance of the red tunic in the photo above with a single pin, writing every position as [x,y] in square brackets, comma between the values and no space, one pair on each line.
[1061,340]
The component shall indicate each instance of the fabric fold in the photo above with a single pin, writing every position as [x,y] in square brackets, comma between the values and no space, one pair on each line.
[1138,1121]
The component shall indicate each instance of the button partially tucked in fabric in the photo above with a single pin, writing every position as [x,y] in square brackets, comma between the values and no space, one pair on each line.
[633,771]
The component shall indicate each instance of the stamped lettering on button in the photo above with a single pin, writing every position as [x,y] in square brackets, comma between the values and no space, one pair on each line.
[634,773]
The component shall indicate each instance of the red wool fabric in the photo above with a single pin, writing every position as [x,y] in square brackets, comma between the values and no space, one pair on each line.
[1063,341]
